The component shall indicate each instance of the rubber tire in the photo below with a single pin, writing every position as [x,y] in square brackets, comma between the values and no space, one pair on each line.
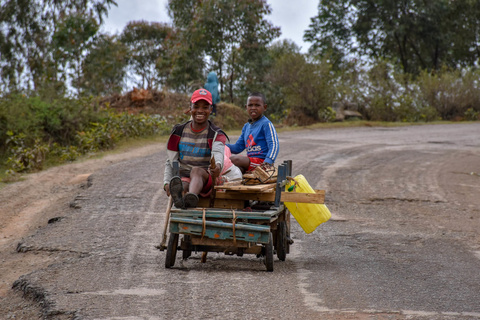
[269,254]
[171,250]
[282,243]
[186,253]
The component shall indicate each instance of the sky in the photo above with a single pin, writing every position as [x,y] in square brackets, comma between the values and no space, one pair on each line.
[293,17]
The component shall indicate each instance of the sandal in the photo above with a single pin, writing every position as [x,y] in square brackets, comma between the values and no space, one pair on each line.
[176,191]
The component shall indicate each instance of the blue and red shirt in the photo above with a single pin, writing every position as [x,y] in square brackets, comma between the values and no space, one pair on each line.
[260,140]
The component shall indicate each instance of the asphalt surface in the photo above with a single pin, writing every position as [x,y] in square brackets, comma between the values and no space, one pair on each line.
[403,242]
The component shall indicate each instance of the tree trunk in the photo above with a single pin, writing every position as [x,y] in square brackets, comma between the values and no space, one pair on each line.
[220,67]
[232,75]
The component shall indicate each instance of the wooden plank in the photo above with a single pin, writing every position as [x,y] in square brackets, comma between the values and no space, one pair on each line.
[216,245]
[255,181]
[219,243]
[232,183]
[316,198]
[256,196]
[221,202]
[233,199]
[249,188]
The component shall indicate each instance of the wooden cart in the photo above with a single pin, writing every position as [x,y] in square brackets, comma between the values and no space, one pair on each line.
[241,219]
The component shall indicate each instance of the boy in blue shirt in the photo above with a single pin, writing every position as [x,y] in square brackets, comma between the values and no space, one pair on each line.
[258,137]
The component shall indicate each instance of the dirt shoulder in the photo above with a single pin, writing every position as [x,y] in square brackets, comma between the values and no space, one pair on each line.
[37,200]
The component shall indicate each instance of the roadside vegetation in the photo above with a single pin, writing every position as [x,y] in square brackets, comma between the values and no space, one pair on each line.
[37,132]
[68,90]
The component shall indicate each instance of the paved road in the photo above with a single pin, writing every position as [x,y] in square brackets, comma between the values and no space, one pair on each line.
[403,242]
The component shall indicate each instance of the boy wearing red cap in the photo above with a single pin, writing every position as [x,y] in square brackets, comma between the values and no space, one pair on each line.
[193,144]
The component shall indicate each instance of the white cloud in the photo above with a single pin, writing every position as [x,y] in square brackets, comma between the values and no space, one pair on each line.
[127,10]
[293,17]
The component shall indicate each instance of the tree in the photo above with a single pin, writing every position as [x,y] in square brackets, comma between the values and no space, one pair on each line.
[70,42]
[104,69]
[188,53]
[147,43]
[414,34]
[28,57]
[273,85]
[226,31]
[306,88]
[187,64]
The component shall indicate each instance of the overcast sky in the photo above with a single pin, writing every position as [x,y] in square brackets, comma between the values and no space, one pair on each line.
[293,17]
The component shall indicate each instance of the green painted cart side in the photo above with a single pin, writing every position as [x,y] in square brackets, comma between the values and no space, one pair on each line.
[221,230]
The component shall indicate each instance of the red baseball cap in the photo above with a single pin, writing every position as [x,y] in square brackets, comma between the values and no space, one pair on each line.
[202,94]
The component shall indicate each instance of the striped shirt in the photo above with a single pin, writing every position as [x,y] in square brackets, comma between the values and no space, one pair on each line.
[193,149]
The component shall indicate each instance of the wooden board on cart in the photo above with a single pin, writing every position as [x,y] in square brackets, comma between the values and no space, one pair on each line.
[269,187]
[317,198]
[233,196]
[267,193]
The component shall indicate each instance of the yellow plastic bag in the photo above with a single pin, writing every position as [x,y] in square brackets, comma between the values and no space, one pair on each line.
[308,215]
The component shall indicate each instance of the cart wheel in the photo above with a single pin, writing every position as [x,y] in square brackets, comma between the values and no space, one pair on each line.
[240,252]
[171,250]
[186,253]
[269,254]
[282,243]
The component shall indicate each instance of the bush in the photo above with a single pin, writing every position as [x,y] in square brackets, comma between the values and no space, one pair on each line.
[104,136]
[49,120]
[33,130]
[25,157]
[230,117]
[306,88]
[451,93]
[326,114]
[472,115]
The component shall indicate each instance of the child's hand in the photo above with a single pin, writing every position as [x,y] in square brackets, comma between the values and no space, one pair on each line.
[214,172]
[267,165]
[213,169]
